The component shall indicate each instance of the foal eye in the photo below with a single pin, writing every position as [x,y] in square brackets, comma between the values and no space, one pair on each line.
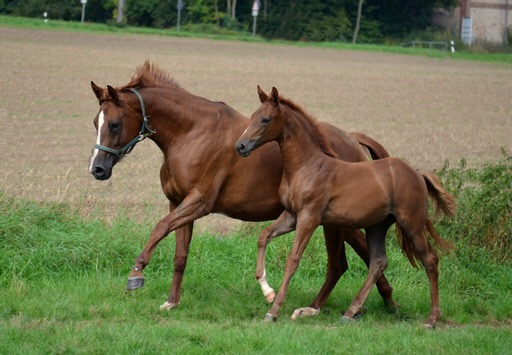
[114,126]
[265,121]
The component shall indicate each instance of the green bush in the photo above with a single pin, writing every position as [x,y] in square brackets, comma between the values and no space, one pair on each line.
[484,197]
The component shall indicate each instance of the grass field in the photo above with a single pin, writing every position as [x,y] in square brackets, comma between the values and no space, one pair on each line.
[62,280]
[67,241]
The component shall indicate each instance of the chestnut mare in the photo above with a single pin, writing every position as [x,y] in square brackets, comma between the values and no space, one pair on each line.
[317,189]
[202,174]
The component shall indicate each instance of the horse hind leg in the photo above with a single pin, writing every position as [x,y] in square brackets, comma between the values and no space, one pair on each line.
[430,261]
[376,239]
[357,241]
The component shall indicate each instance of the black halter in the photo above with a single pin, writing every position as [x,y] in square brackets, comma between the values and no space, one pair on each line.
[145,132]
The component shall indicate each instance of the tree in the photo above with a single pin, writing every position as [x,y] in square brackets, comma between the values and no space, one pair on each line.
[358,21]
[121,8]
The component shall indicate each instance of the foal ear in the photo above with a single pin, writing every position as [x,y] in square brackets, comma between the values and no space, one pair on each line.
[263,96]
[97,90]
[274,96]
[113,94]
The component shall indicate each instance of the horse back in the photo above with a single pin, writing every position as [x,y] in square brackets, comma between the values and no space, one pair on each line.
[343,144]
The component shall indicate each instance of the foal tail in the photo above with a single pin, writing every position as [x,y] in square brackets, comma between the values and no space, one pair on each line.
[444,202]
[442,199]
[372,147]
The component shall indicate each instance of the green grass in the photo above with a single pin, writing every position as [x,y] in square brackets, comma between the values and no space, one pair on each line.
[62,280]
[58,25]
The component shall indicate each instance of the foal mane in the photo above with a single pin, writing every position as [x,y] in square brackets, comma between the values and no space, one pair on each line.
[150,75]
[316,132]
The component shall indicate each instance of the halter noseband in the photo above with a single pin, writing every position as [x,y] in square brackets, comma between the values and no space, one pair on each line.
[145,132]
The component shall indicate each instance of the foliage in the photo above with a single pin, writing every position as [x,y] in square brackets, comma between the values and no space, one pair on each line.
[305,20]
[309,21]
[484,218]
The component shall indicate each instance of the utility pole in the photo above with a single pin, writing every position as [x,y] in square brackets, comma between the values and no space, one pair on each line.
[83,10]
[179,6]
[255,9]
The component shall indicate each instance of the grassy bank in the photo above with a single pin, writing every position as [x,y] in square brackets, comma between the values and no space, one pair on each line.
[198,31]
[62,280]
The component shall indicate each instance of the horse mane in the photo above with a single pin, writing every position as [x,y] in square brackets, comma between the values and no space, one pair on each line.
[316,132]
[150,75]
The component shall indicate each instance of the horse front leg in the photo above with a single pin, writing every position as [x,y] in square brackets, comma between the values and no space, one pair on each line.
[183,238]
[305,228]
[192,208]
[336,267]
[285,223]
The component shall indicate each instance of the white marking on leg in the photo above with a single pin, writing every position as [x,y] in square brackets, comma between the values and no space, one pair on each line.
[168,306]
[305,312]
[101,121]
[268,291]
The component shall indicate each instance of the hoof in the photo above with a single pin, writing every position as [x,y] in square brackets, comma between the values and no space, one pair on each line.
[392,307]
[305,312]
[270,297]
[429,325]
[135,283]
[346,320]
[167,306]
[269,318]
[359,314]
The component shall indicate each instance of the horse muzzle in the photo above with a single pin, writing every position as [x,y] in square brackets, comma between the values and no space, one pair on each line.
[101,169]
[244,148]
[101,173]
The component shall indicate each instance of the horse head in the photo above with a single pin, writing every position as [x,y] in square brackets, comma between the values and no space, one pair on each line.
[263,126]
[117,124]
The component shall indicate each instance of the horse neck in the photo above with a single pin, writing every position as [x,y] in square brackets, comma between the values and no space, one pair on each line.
[176,115]
[297,145]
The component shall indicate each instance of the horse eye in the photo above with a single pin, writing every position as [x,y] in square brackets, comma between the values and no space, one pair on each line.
[114,126]
[265,121]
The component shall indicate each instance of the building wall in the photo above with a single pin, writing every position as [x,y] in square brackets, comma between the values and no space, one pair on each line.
[491,19]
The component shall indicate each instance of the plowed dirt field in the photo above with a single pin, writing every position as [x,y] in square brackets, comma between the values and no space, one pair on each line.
[424,110]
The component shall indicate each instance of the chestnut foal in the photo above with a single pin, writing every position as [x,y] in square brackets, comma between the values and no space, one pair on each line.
[318,189]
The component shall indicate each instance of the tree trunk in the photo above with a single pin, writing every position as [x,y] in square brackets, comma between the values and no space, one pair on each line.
[356,30]
[121,5]
[217,13]
[233,10]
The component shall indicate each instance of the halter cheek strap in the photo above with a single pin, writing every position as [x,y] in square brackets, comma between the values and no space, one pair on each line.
[145,132]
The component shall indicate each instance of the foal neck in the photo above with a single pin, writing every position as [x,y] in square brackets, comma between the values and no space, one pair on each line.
[298,143]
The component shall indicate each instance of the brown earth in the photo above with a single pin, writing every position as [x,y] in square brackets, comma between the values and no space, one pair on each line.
[424,110]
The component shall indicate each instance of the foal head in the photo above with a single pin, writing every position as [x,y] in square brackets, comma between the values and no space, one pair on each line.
[117,126]
[265,125]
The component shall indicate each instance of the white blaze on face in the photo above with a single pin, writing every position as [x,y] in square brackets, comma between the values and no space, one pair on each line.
[101,121]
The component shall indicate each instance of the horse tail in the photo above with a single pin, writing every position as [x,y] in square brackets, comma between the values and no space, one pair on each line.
[372,147]
[444,202]
[442,199]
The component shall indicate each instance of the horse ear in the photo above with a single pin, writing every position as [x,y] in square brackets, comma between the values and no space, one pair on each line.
[274,96]
[97,90]
[263,96]
[113,94]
